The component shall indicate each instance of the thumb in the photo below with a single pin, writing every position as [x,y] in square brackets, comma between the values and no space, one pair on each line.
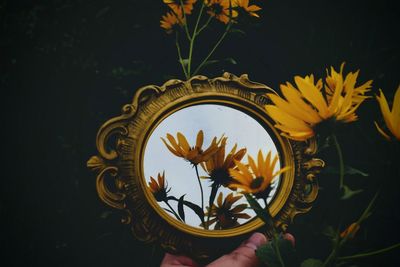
[244,255]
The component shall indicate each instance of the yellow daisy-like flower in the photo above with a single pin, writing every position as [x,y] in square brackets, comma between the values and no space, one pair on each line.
[196,154]
[308,105]
[249,9]
[159,187]
[392,118]
[169,20]
[218,165]
[256,179]
[350,231]
[221,10]
[176,6]
[224,214]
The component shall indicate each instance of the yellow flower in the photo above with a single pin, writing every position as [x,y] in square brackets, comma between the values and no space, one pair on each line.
[221,10]
[224,214]
[195,155]
[250,9]
[350,231]
[256,179]
[308,106]
[176,6]
[159,189]
[392,118]
[218,165]
[169,20]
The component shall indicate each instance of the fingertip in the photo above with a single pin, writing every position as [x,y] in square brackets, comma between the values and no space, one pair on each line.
[256,240]
[291,238]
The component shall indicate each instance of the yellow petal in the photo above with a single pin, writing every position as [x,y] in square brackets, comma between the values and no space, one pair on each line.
[313,95]
[283,118]
[385,110]
[183,142]
[293,96]
[293,110]
[387,137]
[173,151]
[199,139]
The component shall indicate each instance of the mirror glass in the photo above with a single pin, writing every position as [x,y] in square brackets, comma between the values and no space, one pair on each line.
[174,172]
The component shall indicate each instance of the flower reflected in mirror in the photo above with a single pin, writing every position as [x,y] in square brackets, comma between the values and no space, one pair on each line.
[217,167]
[195,154]
[391,117]
[159,187]
[256,178]
[224,214]
[311,106]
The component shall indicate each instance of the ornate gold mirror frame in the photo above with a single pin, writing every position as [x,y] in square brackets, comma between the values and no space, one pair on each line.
[121,184]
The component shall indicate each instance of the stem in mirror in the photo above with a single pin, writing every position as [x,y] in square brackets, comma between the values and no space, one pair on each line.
[201,187]
[173,211]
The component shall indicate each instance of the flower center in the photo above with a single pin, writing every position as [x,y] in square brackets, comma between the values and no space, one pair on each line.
[256,183]
[217,9]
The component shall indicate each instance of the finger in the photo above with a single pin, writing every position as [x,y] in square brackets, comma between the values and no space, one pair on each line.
[291,238]
[171,260]
[244,255]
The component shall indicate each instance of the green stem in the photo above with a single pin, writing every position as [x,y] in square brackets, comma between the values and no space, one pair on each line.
[194,35]
[213,49]
[361,255]
[185,24]
[176,215]
[178,48]
[277,250]
[204,26]
[201,187]
[341,163]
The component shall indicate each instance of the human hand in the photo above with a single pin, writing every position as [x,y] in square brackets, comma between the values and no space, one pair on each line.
[243,256]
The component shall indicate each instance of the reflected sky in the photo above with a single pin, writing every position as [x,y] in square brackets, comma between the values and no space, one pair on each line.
[214,120]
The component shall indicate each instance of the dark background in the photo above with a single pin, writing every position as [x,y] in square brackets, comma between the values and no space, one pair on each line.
[67,66]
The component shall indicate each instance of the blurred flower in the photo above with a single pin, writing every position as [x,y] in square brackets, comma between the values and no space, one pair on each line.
[392,118]
[309,107]
[159,189]
[256,179]
[169,20]
[221,10]
[224,214]
[218,166]
[195,155]
[176,6]
[244,4]
[350,231]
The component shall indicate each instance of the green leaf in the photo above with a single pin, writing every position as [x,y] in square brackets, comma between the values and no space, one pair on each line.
[181,211]
[210,62]
[267,253]
[312,263]
[349,193]
[231,60]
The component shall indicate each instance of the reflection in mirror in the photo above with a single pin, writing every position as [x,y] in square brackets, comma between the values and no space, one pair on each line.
[202,156]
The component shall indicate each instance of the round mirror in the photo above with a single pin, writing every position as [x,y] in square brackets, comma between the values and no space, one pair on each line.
[175,160]
[187,190]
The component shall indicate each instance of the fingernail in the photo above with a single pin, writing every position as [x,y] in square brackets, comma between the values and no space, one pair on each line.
[256,240]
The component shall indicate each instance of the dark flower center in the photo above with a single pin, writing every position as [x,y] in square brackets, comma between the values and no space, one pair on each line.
[256,183]
[220,176]
[216,8]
